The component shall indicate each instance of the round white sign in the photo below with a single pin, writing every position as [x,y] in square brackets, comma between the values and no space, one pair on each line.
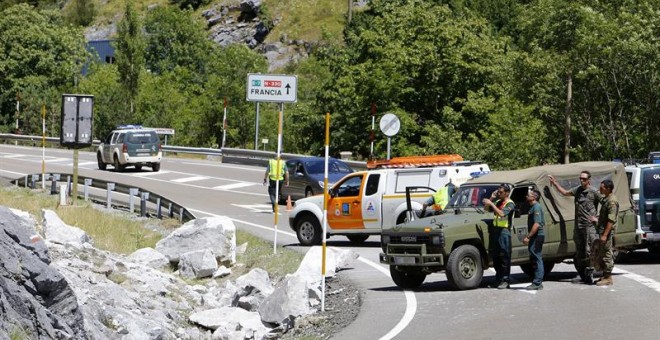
[389,124]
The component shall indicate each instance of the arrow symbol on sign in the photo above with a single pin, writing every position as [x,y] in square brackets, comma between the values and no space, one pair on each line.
[287,87]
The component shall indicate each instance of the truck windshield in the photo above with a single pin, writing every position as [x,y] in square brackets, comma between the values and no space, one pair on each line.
[471,196]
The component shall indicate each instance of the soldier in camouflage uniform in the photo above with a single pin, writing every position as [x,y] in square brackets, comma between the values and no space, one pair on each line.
[584,233]
[609,211]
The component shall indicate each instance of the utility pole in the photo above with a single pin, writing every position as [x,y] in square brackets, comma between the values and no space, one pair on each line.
[350,10]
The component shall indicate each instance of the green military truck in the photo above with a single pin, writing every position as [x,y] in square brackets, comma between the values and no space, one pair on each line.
[457,240]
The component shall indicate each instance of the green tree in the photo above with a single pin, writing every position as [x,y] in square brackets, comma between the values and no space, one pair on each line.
[110,106]
[585,59]
[38,56]
[418,58]
[80,12]
[129,54]
[176,38]
[228,80]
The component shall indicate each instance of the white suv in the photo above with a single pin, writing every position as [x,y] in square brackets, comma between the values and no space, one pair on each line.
[130,146]
[644,181]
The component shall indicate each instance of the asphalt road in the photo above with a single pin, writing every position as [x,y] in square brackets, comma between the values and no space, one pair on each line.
[563,310]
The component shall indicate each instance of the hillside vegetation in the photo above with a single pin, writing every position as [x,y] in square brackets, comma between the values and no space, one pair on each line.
[510,82]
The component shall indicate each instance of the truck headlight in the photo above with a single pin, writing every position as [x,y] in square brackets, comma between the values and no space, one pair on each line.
[435,240]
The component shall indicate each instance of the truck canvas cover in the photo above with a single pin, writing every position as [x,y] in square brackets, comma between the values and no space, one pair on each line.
[561,207]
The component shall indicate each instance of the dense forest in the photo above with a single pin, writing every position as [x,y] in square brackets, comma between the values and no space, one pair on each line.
[510,82]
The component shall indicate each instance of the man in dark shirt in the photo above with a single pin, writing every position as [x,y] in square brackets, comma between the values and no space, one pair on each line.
[587,199]
[534,238]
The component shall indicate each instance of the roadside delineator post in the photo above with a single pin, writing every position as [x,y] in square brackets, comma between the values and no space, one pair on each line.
[325,208]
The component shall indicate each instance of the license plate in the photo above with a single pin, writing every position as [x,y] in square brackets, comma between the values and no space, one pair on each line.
[409,239]
[142,154]
[404,260]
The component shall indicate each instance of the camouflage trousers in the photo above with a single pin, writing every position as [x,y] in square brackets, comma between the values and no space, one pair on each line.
[584,236]
[602,256]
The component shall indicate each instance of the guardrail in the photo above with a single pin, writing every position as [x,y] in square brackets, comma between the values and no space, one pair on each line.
[159,203]
[227,155]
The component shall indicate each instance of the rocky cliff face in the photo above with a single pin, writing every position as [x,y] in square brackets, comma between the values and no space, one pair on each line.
[237,24]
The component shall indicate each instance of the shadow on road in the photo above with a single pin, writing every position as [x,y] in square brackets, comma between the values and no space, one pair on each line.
[638,257]
[443,285]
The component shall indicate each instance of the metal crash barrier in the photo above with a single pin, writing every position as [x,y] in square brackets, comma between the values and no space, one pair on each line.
[158,205]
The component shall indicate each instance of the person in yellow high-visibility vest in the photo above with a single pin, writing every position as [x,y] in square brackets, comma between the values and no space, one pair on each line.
[439,200]
[275,173]
[499,245]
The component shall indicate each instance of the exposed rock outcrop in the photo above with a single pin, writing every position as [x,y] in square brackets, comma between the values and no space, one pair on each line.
[70,290]
[35,299]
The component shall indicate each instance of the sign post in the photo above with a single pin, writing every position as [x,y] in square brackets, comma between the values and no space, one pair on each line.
[389,125]
[274,88]
[76,131]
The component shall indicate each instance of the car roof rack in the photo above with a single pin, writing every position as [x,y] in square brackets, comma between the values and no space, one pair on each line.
[129,127]
[419,162]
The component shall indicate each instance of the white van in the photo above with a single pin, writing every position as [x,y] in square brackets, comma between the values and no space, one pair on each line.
[362,203]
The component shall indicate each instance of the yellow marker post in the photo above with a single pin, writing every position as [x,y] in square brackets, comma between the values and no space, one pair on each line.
[280,115]
[43,147]
[325,207]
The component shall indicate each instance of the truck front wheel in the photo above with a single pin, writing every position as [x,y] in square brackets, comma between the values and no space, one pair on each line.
[464,269]
[309,231]
[409,279]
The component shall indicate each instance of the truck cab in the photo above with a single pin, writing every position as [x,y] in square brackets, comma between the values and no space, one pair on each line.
[362,202]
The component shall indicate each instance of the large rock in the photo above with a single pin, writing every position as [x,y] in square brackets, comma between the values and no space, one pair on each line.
[336,259]
[35,299]
[56,231]
[215,233]
[198,264]
[231,323]
[150,257]
[290,300]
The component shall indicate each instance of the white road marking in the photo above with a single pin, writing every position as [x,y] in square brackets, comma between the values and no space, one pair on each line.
[55,160]
[14,173]
[12,155]
[224,165]
[411,304]
[257,208]
[234,186]
[189,179]
[86,163]
[655,285]
[144,174]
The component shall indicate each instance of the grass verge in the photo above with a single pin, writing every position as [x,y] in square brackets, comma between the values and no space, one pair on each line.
[122,232]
